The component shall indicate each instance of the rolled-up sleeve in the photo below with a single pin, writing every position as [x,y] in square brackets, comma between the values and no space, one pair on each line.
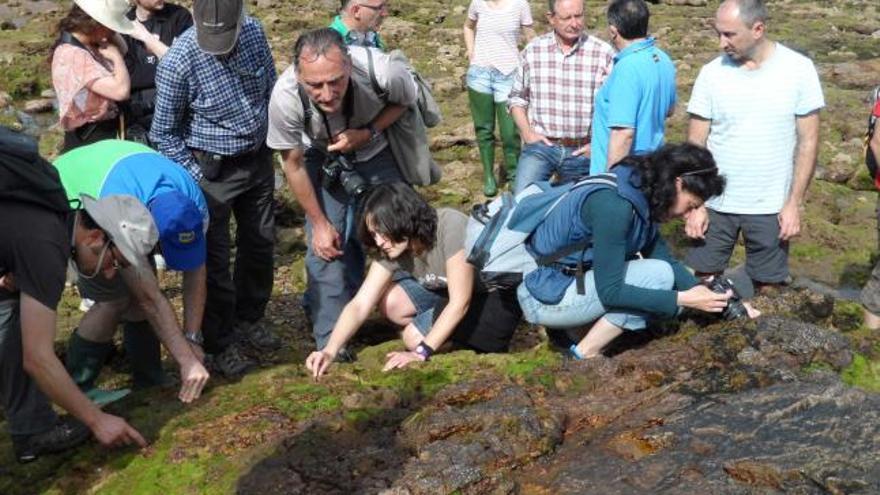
[519,93]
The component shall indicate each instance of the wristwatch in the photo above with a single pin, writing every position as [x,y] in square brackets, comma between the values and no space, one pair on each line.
[424,350]
[194,337]
[374,133]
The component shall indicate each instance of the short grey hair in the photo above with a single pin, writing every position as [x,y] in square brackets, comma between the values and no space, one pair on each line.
[751,11]
[319,42]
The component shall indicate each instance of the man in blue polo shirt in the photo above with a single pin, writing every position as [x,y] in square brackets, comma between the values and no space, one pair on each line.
[634,102]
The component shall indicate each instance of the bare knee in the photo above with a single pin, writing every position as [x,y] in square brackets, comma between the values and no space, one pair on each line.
[396,306]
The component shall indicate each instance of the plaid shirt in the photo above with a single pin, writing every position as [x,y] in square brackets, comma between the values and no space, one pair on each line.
[217,104]
[558,89]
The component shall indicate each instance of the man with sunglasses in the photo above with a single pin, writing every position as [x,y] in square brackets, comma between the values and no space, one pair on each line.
[180,213]
[358,21]
[39,237]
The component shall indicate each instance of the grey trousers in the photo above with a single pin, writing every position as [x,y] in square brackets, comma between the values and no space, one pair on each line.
[27,410]
[244,188]
[332,284]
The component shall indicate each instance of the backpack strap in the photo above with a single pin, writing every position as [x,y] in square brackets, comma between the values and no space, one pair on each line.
[373,81]
[307,109]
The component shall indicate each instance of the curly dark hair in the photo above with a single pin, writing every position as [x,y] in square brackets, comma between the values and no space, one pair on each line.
[659,170]
[398,212]
[76,21]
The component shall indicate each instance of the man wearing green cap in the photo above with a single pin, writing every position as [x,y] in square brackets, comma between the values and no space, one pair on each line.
[179,210]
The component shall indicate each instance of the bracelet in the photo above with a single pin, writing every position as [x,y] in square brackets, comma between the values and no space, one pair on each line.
[424,350]
[374,133]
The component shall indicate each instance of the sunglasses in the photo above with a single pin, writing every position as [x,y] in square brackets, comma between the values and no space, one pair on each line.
[700,171]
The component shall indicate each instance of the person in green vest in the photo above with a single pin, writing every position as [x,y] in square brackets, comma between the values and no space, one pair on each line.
[180,212]
[358,21]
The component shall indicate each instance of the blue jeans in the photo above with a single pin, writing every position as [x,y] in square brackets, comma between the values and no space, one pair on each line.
[421,298]
[538,161]
[490,81]
[330,285]
[575,310]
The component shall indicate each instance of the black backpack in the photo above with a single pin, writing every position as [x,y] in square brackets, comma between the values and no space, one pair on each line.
[27,177]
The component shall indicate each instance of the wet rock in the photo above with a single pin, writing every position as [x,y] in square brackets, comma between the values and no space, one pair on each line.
[796,344]
[817,306]
[471,433]
[39,106]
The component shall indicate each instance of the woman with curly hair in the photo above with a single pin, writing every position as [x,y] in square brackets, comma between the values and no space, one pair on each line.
[421,282]
[619,271]
[90,78]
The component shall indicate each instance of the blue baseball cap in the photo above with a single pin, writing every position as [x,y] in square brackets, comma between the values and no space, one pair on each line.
[181,230]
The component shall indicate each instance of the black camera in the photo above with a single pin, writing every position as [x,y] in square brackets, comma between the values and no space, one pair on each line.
[735,308]
[339,170]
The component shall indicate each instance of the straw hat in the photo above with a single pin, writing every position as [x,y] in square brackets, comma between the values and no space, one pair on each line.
[110,13]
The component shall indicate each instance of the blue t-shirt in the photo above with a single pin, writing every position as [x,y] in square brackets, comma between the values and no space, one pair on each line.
[638,94]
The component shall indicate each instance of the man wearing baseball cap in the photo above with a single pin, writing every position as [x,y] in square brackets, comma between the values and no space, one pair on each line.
[40,236]
[213,88]
[177,208]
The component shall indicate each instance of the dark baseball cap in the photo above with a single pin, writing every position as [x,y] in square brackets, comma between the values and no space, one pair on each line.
[218,23]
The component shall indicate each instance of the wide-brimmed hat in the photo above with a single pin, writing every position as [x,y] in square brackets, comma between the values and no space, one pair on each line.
[110,13]
[218,23]
[127,222]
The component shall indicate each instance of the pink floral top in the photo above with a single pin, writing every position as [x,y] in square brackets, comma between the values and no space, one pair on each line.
[73,69]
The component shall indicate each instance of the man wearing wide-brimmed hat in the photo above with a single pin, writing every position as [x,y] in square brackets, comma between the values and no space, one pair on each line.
[213,87]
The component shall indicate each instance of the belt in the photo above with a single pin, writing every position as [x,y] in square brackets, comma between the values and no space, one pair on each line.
[201,154]
[570,142]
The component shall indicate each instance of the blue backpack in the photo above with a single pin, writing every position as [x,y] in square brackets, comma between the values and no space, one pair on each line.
[497,232]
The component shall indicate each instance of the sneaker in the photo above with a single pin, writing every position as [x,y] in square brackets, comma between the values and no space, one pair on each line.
[257,335]
[66,434]
[230,363]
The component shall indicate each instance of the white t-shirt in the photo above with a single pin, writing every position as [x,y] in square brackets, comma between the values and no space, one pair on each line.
[495,41]
[753,133]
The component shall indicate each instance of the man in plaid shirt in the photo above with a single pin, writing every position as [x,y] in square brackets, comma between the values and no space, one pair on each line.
[212,117]
[552,96]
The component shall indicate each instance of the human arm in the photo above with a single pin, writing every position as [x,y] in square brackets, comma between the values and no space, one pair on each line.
[460,283]
[874,144]
[194,296]
[145,291]
[326,242]
[40,363]
[351,140]
[152,42]
[470,34]
[804,166]
[352,317]
[116,87]
[697,222]
[167,130]
[619,144]
[529,32]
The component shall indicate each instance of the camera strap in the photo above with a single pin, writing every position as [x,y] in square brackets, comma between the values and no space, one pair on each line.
[347,111]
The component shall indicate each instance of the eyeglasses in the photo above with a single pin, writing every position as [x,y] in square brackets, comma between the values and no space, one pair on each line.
[377,8]
[700,171]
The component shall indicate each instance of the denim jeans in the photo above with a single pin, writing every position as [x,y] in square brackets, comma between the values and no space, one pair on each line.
[27,410]
[331,284]
[575,310]
[490,81]
[421,298]
[538,161]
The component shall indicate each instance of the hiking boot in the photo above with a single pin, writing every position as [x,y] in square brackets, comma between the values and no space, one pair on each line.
[230,362]
[65,434]
[257,335]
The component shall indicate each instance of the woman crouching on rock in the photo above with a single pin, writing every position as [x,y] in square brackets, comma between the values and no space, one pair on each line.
[421,282]
[628,274]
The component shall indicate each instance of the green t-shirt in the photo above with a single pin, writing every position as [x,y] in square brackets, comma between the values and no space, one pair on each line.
[370,39]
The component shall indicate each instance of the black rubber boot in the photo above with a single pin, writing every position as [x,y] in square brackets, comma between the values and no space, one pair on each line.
[144,354]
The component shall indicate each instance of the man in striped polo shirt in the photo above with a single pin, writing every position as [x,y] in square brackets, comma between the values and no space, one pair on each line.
[756,108]
[553,94]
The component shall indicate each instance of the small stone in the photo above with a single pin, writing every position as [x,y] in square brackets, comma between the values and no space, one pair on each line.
[7,25]
[48,93]
[41,105]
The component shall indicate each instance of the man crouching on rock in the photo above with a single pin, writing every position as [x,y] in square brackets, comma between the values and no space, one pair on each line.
[40,235]
[174,202]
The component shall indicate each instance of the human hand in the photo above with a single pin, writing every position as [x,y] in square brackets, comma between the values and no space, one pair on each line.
[350,140]
[193,377]
[326,242]
[318,362]
[582,151]
[400,359]
[534,137]
[789,221]
[113,431]
[141,33]
[702,298]
[697,223]
[7,283]
[110,51]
